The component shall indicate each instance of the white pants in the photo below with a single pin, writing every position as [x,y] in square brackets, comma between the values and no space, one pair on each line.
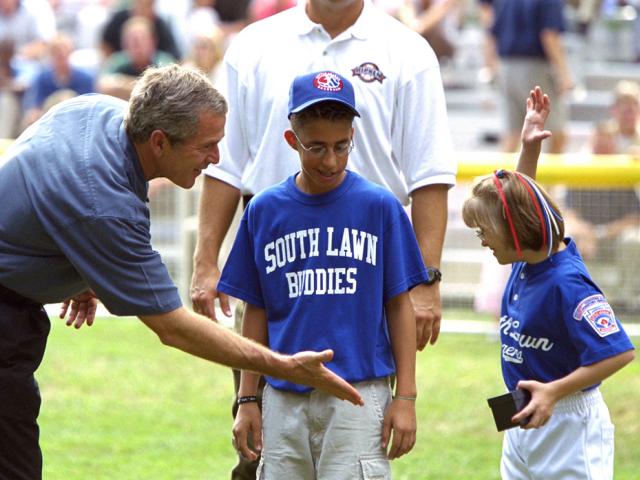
[576,443]
[316,436]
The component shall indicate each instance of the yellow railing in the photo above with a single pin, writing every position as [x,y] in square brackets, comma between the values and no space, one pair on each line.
[576,170]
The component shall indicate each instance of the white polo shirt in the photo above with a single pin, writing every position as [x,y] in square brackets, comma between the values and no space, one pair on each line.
[402,140]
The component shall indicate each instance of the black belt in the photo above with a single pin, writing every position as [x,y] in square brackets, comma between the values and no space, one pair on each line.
[9,296]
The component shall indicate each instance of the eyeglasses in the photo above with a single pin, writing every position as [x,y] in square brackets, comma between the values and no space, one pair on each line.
[341,149]
[479,233]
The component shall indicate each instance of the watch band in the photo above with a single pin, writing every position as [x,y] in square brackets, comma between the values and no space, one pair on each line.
[435,275]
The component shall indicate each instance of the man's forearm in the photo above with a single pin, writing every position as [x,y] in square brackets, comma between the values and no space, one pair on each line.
[199,336]
[218,204]
[429,218]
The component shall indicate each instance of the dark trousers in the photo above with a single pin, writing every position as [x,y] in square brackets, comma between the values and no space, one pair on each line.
[24,327]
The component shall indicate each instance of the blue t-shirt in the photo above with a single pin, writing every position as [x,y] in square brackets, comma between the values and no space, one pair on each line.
[323,267]
[74,213]
[555,319]
[518,25]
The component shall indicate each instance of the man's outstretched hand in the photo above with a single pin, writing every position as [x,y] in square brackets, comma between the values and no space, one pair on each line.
[307,368]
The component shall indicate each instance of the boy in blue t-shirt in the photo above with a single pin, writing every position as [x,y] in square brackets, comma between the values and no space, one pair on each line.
[325,260]
[559,336]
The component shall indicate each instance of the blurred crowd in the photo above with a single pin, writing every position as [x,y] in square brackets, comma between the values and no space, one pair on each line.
[53,49]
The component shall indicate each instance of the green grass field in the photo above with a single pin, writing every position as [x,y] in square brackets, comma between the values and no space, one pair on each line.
[119,405]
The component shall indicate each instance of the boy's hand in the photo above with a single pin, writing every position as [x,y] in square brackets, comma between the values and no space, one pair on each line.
[538,109]
[400,418]
[247,431]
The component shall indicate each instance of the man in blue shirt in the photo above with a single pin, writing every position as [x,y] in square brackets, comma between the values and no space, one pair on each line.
[526,35]
[74,227]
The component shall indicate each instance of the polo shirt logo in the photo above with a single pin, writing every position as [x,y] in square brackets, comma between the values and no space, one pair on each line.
[368,72]
[598,313]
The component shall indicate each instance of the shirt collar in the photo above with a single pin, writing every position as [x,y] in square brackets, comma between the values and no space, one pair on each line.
[569,251]
[305,26]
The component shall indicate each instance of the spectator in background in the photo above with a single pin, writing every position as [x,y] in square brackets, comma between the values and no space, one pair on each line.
[206,53]
[436,20]
[525,36]
[234,15]
[200,17]
[10,91]
[596,217]
[605,223]
[260,9]
[624,124]
[112,36]
[29,24]
[57,75]
[121,69]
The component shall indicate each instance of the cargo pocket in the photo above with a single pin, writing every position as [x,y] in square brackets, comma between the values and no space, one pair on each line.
[375,468]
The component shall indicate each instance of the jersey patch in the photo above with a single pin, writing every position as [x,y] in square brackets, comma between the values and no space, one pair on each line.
[598,313]
[368,72]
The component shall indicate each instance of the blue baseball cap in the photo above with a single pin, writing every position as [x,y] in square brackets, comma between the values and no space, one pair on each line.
[312,88]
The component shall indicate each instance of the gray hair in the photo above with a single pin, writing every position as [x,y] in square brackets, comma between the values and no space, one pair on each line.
[171,99]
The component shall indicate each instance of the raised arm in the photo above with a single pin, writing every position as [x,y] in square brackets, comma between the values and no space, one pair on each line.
[196,335]
[533,132]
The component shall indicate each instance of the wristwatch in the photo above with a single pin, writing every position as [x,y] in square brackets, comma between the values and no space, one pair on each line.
[434,275]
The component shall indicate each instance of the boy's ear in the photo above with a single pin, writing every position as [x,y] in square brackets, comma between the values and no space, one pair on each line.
[291,139]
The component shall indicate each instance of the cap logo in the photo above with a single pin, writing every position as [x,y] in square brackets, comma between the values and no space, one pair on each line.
[328,81]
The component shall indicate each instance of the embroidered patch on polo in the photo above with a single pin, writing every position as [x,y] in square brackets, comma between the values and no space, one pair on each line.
[368,72]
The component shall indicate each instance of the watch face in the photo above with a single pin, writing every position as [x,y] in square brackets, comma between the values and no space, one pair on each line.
[434,275]
[431,274]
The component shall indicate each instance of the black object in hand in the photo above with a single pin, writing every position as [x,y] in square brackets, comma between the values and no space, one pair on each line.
[506,406]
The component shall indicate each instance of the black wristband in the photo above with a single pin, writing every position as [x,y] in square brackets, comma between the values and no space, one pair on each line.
[248,399]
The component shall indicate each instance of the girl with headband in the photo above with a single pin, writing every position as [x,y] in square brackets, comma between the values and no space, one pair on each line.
[559,336]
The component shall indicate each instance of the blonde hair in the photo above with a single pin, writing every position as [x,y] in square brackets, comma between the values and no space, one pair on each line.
[627,90]
[485,209]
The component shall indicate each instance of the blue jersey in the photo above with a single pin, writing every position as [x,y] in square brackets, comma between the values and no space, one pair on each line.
[555,319]
[323,267]
[74,213]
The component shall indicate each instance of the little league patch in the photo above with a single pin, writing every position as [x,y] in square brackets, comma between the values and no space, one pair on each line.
[596,310]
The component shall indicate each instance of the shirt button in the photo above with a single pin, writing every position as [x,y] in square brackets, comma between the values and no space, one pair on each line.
[522,276]
[515,297]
